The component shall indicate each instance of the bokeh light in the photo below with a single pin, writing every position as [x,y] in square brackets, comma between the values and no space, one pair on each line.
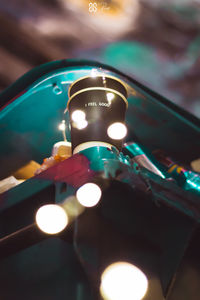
[51,218]
[81,124]
[117,131]
[78,115]
[62,125]
[89,194]
[123,281]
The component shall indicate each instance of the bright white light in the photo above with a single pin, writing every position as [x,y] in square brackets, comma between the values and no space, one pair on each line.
[51,218]
[123,281]
[78,115]
[62,126]
[89,194]
[117,131]
[80,124]
[94,73]
[110,96]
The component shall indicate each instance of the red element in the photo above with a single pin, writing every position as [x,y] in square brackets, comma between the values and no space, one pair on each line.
[13,99]
[75,171]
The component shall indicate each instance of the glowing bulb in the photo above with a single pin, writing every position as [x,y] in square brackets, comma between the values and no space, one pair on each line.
[123,281]
[78,115]
[51,218]
[89,194]
[117,131]
[62,125]
[110,96]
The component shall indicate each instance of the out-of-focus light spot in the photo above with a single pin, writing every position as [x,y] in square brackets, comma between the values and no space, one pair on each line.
[117,131]
[110,97]
[123,281]
[80,124]
[62,125]
[89,194]
[51,218]
[78,115]
[195,164]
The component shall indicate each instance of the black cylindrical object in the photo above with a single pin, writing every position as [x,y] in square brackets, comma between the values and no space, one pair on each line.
[103,99]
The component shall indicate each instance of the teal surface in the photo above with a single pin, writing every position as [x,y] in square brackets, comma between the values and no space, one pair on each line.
[29,122]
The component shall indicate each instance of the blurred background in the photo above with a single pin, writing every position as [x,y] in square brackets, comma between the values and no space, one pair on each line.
[155,41]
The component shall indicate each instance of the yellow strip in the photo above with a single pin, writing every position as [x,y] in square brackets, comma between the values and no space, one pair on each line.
[172,168]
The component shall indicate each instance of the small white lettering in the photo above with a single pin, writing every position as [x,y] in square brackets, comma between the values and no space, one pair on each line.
[104,104]
[92,104]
